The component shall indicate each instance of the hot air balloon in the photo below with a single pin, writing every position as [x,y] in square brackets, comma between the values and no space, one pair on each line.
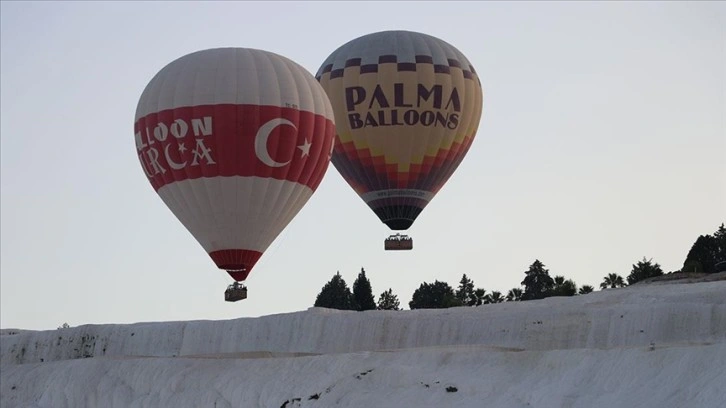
[235,141]
[407,107]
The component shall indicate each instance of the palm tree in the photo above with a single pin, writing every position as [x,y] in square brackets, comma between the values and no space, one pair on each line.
[514,295]
[479,294]
[563,287]
[585,289]
[613,280]
[496,297]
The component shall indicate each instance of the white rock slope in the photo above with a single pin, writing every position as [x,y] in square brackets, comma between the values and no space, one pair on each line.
[654,345]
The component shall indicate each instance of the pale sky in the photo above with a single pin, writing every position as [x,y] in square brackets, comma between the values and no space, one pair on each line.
[601,142]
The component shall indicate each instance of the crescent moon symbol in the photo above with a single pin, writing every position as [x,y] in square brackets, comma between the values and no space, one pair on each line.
[261,141]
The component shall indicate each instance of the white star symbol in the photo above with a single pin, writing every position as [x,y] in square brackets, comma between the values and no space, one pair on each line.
[305,148]
[182,148]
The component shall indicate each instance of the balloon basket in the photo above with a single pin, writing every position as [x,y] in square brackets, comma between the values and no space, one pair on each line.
[235,292]
[398,242]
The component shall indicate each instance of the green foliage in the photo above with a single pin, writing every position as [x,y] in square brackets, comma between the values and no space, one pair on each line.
[720,236]
[479,295]
[465,292]
[335,295]
[437,295]
[613,280]
[707,253]
[388,301]
[514,295]
[537,282]
[643,270]
[563,287]
[693,266]
[703,255]
[362,293]
[494,297]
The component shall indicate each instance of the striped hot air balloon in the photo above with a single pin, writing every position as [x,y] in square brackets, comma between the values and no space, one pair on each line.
[407,107]
[235,141]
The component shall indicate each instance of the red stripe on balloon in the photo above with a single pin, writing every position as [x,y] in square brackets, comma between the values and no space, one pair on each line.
[234,140]
[237,262]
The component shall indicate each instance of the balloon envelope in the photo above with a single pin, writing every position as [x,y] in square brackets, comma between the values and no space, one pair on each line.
[235,141]
[407,107]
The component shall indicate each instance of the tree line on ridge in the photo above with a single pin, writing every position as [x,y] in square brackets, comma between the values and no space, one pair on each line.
[707,255]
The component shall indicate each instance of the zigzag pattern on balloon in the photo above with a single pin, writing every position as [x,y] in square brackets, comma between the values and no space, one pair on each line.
[366,172]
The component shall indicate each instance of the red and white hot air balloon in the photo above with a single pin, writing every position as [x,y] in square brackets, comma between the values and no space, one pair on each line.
[235,141]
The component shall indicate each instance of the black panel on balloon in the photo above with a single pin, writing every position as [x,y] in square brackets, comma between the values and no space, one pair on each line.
[399,217]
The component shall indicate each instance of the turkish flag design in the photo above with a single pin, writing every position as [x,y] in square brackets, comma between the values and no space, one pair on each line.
[234,140]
